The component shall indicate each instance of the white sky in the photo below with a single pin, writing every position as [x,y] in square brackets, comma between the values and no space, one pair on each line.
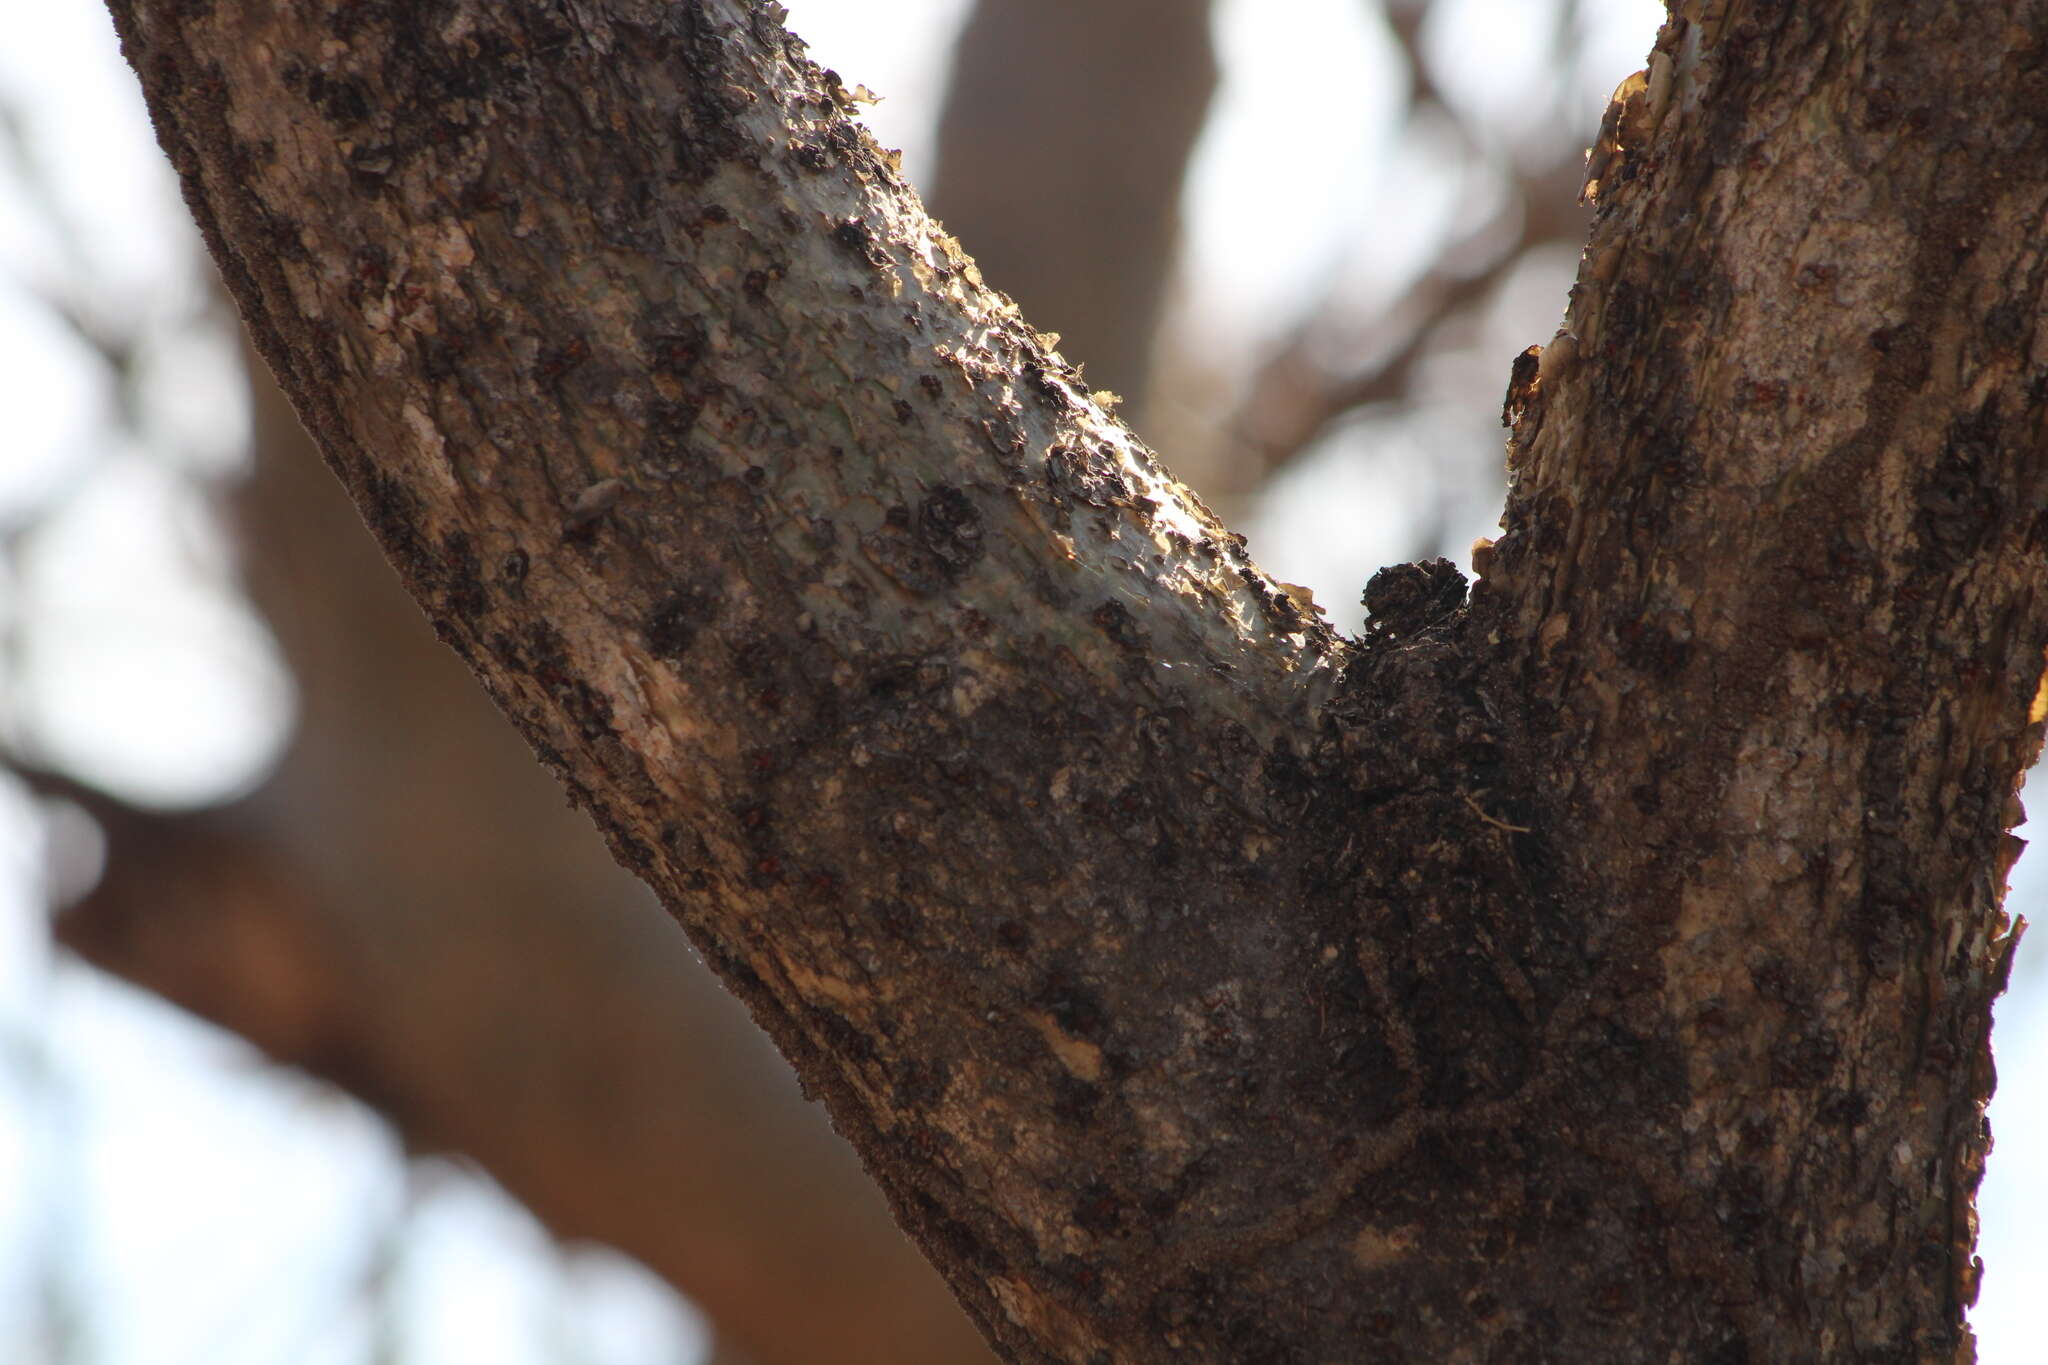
[153,1144]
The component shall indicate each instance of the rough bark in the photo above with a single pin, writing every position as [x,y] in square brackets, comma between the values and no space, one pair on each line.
[408,908]
[1777,534]
[1598,970]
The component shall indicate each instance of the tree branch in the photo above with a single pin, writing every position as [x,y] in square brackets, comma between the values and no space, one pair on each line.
[1776,548]
[865,637]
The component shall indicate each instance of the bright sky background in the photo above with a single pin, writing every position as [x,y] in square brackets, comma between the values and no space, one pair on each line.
[134,1143]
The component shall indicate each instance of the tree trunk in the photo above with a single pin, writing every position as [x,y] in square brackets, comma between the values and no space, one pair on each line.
[1596,970]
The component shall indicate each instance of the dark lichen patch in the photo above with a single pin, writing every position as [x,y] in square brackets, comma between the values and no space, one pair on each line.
[440,356]
[859,239]
[2006,324]
[635,853]
[1114,619]
[1074,1101]
[676,346]
[672,626]
[459,580]
[341,99]
[917,1085]
[811,153]
[1048,385]
[512,570]
[544,658]
[843,1038]
[665,446]
[841,137]
[932,549]
[894,917]
[1085,475]
[1806,1060]
[1957,505]
[962,1242]
[949,528]
[1658,644]
[393,513]
[1073,1005]
[556,361]
[1098,1209]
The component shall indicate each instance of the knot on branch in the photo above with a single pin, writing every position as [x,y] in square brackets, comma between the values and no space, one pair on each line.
[1403,600]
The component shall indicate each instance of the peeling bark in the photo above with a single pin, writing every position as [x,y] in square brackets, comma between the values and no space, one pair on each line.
[1596,970]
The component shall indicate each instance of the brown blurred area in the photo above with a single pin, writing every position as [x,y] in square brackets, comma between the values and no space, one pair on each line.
[409,909]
